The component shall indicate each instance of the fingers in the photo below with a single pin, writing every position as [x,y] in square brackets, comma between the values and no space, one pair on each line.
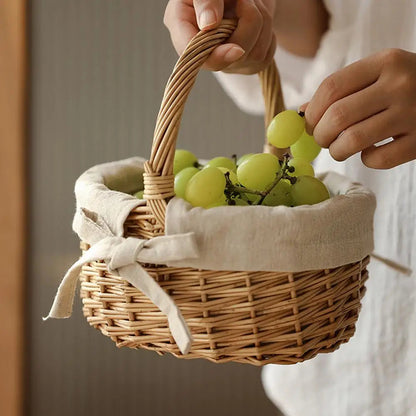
[246,34]
[254,67]
[223,56]
[348,111]
[303,107]
[400,150]
[208,13]
[181,22]
[255,34]
[348,80]
[364,134]
[184,19]
[249,26]
[262,46]
[251,46]
[358,107]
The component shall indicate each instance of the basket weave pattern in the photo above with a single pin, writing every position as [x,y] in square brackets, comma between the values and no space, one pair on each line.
[248,317]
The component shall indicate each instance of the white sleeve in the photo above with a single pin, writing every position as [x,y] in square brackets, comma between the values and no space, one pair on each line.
[245,90]
[300,77]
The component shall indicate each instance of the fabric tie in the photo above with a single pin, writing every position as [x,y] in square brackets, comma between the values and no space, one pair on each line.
[122,256]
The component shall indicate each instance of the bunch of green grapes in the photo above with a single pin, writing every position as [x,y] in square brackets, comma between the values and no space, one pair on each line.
[287,129]
[255,178]
[203,185]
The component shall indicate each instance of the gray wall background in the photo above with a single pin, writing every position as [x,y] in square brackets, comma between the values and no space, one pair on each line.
[98,72]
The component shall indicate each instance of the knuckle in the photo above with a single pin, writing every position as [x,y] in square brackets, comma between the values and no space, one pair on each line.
[401,90]
[405,84]
[392,56]
[338,116]
[330,87]
[166,19]
[167,15]
[353,139]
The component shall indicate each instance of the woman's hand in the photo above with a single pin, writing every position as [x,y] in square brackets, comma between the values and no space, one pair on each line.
[364,103]
[249,49]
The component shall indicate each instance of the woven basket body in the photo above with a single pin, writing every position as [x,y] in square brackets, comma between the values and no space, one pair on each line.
[248,317]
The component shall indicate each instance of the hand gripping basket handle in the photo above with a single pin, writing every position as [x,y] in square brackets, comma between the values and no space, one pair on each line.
[158,177]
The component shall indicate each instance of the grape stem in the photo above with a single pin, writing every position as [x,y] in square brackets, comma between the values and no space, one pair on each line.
[241,190]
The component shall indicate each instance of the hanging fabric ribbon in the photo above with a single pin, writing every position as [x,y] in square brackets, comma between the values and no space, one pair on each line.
[123,257]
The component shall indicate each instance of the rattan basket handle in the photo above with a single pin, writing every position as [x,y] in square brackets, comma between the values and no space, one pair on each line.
[158,177]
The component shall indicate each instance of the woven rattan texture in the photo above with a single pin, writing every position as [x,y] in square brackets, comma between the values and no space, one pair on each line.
[158,177]
[248,317]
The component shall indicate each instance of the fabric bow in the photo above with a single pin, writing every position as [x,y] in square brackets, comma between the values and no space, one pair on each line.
[122,256]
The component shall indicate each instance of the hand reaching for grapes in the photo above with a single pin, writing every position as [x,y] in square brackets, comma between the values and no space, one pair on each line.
[359,106]
[249,49]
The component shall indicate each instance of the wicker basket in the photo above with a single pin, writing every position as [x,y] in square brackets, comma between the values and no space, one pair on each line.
[247,317]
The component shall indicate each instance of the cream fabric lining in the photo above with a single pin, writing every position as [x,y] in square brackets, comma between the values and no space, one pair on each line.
[335,232]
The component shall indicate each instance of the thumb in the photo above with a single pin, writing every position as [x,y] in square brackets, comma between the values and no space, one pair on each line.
[209,13]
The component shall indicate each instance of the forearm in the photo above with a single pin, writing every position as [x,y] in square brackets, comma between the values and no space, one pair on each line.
[299,25]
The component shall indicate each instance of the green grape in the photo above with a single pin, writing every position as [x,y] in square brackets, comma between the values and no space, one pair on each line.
[183,159]
[243,158]
[308,191]
[285,129]
[258,171]
[301,166]
[305,147]
[219,203]
[139,194]
[205,188]
[232,175]
[222,162]
[182,179]
[279,195]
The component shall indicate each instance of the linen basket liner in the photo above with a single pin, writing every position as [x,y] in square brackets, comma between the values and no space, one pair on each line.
[335,232]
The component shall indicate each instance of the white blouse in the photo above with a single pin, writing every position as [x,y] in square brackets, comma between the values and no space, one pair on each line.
[374,374]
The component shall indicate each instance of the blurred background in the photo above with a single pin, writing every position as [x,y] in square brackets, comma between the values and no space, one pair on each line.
[88,92]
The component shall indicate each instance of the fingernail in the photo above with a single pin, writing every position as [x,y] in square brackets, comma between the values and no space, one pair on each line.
[207,18]
[233,54]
